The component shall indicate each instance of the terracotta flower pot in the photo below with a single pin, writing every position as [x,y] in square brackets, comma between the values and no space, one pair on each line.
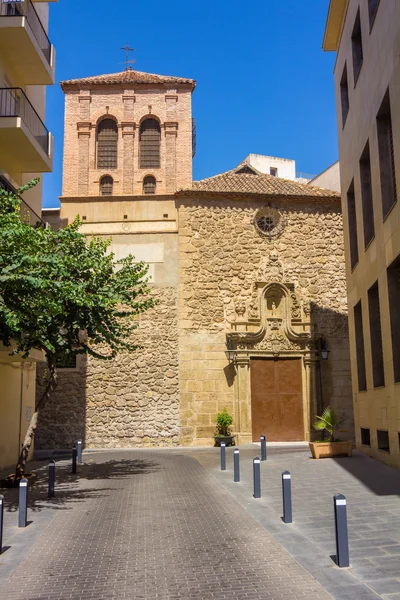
[328,449]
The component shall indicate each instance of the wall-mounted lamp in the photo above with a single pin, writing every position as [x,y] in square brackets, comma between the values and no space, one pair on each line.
[324,350]
[229,352]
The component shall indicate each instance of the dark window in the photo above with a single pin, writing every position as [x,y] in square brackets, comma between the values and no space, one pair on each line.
[352,223]
[365,436]
[372,8]
[386,156]
[393,276]
[383,440]
[376,335]
[358,328]
[273,171]
[67,361]
[344,95]
[149,138]
[366,196]
[106,186]
[356,45]
[107,144]
[149,185]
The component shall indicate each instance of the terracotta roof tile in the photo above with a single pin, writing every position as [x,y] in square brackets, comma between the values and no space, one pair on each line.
[232,182]
[127,77]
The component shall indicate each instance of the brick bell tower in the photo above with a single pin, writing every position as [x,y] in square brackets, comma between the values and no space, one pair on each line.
[127,134]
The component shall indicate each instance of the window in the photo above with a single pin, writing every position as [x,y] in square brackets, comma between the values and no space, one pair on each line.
[356,45]
[372,8]
[149,144]
[352,224]
[365,436]
[393,277]
[358,328]
[344,95]
[273,171]
[149,185]
[106,186]
[107,144]
[376,336]
[386,156]
[383,440]
[66,362]
[366,196]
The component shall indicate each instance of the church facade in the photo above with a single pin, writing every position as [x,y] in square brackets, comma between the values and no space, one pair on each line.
[248,270]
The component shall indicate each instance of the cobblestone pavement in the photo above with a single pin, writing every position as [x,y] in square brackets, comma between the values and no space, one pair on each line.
[145,525]
[372,490]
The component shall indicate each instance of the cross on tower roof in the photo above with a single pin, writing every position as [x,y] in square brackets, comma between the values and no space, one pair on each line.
[127,49]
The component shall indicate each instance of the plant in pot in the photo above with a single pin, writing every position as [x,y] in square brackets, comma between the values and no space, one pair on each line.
[330,422]
[224,421]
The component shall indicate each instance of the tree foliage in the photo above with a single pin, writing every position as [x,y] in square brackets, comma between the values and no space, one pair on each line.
[65,294]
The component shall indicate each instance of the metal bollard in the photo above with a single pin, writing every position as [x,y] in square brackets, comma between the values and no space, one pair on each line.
[263,441]
[256,477]
[80,451]
[1,522]
[23,503]
[74,456]
[342,539]
[287,497]
[223,457]
[236,465]
[52,478]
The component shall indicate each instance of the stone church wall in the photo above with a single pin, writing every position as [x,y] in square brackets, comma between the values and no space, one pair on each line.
[130,401]
[220,256]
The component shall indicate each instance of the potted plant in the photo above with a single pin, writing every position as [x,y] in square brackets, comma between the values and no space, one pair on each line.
[224,421]
[330,422]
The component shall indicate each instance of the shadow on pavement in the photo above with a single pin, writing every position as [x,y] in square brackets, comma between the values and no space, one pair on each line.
[69,487]
[381,479]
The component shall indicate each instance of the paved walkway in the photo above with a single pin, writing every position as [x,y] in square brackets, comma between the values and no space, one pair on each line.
[145,525]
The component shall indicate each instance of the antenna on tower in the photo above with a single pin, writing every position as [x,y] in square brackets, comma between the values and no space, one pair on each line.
[127,49]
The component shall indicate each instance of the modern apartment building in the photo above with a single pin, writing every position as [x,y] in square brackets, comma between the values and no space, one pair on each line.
[365,34]
[27,66]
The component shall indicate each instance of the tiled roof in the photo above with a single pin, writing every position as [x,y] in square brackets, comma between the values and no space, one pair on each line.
[127,77]
[236,183]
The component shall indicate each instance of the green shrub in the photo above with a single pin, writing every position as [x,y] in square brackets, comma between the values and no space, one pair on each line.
[224,421]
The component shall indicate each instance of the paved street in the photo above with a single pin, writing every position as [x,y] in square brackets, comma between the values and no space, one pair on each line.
[147,525]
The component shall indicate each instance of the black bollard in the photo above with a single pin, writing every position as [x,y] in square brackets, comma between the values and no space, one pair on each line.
[52,478]
[223,457]
[342,539]
[80,451]
[256,478]
[74,456]
[263,441]
[23,503]
[287,497]
[1,522]
[236,465]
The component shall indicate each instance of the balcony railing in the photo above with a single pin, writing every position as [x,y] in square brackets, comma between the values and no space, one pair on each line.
[28,215]
[14,103]
[27,10]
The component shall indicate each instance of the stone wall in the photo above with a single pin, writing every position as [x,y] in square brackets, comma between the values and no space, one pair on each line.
[221,255]
[130,401]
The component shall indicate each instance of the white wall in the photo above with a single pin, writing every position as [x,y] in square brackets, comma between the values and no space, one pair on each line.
[286,166]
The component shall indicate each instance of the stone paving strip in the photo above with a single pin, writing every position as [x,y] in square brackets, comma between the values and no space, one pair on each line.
[145,524]
[372,490]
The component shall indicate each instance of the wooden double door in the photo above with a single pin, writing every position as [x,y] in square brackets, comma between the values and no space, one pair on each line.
[276,399]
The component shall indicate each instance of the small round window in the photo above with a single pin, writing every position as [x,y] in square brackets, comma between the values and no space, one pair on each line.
[268,221]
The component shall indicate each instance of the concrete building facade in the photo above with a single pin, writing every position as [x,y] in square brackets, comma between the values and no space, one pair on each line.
[366,38]
[27,66]
[248,270]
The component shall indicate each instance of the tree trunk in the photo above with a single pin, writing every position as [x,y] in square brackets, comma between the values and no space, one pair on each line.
[30,434]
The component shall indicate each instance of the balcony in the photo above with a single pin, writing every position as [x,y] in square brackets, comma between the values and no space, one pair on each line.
[28,215]
[25,142]
[24,43]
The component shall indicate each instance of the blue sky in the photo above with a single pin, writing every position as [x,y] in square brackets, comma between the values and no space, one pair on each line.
[264,85]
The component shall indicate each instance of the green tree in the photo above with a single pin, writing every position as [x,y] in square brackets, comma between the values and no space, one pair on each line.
[63,294]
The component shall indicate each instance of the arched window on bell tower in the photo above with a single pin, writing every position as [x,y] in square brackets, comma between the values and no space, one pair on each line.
[149,144]
[107,144]
[149,185]
[106,186]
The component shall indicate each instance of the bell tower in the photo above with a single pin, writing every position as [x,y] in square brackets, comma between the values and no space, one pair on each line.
[127,134]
